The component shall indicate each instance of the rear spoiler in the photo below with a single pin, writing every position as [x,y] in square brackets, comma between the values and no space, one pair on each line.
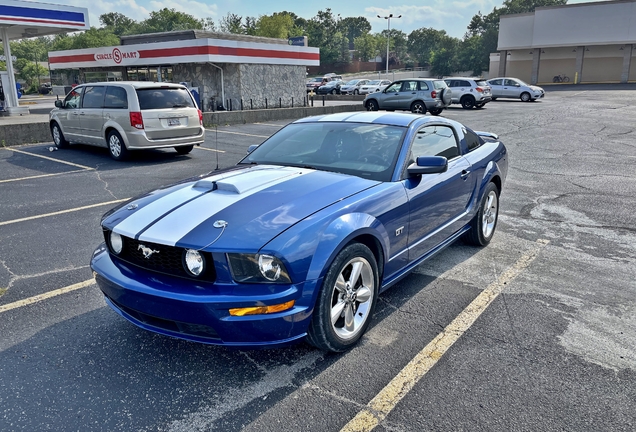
[487,135]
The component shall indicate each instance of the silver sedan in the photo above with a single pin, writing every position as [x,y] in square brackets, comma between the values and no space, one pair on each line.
[514,88]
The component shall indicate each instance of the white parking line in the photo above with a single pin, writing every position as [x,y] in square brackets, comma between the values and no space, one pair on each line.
[238,133]
[62,212]
[47,295]
[41,176]
[385,401]
[270,124]
[209,149]
[48,158]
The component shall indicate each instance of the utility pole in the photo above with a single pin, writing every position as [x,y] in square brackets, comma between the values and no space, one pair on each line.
[388,37]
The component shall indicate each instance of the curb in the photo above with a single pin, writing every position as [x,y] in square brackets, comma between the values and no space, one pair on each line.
[27,133]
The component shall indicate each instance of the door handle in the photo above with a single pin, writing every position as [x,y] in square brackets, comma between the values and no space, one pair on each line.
[413,92]
[465,174]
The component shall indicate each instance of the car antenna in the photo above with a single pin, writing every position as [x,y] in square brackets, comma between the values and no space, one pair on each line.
[216,146]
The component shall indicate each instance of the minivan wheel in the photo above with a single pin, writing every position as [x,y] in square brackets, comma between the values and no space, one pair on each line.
[468,102]
[418,107]
[116,146]
[184,149]
[58,136]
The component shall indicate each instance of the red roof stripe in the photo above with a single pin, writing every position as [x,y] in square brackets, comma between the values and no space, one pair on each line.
[72,58]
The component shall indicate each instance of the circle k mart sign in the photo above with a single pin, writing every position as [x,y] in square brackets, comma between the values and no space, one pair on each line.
[117,56]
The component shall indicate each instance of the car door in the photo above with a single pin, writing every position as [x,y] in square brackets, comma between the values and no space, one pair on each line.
[91,114]
[438,203]
[388,99]
[511,88]
[407,95]
[69,116]
[496,87]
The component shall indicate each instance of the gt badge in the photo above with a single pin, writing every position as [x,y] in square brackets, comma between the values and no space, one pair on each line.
[399,231]
[146,251]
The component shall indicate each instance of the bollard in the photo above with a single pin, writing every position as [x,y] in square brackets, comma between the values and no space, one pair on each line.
[280,102]
[231,105]
[265,103]
[323,101]
[292,101]
[241,104]
[251,105]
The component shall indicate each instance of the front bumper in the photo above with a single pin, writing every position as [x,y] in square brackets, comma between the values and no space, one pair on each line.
[199,311]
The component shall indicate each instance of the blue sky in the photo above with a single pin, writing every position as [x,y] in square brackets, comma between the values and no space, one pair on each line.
[450,15]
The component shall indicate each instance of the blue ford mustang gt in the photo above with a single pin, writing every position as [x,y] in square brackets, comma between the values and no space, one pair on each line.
[298,240]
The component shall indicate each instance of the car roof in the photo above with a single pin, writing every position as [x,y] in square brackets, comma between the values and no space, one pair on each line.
[377,117]
[138,84]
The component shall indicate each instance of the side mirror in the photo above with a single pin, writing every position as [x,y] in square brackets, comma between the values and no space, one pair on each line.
[428,165]
[59,104]
[251,148]
[517,85]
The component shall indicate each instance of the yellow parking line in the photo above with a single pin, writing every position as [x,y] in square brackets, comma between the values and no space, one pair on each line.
[47,295]
[385,401]
[209,149]
[50,158]
[238,133]
[62,212]
[41,176]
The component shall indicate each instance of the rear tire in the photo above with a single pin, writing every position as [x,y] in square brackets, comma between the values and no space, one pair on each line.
[485,221]
[182,150]
[468,102]
[58,136]
[346,300]
[116,146]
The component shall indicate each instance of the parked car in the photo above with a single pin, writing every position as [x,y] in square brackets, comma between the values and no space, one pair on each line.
[353,86]
[124,116]
[374,86]
[332,87]
[298,240]
[417,95]
[515,88]
[469,92]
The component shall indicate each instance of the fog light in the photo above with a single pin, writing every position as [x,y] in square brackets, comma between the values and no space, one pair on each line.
[116,242]
[259,310]
[194,262]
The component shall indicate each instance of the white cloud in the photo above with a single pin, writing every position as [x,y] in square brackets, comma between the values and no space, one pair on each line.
[130,8]
[412,16]
[197,9]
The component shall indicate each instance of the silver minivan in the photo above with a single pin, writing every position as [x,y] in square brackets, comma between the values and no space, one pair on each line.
[128,115]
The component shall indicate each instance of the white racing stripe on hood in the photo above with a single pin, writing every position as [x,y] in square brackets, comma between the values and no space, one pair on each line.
[133,224]
[180,222]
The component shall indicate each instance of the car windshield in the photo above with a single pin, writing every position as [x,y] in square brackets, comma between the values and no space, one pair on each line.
[316,80]
[360,149]
[374,82]
[353,82]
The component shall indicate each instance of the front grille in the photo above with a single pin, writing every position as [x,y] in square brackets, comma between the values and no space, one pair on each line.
[164,259]
[198,330]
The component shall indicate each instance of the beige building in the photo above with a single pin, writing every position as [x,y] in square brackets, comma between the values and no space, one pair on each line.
[589,42]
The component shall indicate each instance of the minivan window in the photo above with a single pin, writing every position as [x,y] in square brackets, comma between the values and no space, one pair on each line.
[116,98]
[93,97]
[161,98]
[72,100]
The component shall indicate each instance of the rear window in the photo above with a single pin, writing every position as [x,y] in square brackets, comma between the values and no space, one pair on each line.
[439,84]
[161,98]
[482,83]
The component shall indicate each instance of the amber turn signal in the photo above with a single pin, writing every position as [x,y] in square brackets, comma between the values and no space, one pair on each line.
[259,310]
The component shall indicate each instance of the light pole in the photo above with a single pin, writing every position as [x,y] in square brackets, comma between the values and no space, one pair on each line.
[388,37]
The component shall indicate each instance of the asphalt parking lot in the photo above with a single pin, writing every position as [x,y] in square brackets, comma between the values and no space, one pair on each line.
[554,348]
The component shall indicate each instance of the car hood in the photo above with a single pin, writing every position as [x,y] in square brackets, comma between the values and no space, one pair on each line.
[235,210]
[536,88]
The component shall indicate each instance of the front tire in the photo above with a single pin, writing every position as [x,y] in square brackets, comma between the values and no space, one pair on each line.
[58,136]
[372,105]
[334,91]
[346,300]
[356,92]
[485,221]
[525,97]
[418,107]
[435,111]
[116,146]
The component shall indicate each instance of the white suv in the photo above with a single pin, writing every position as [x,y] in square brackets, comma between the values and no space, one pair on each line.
[469,92]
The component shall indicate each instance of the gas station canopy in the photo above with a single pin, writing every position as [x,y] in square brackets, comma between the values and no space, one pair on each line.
[25,19]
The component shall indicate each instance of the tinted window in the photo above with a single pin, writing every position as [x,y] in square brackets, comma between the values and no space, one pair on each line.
[72,100]
[93,97]
[495,82]
[161,98]
[423,85]
[472,140]
[435,141]
[115,98]
[464,84]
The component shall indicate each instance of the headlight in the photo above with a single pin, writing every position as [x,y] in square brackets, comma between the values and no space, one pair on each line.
[194,262]
[116,243]
[257,268]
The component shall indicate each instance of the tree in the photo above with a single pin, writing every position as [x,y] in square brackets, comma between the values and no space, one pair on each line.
[166,19]
[398,52]
[366,47]
[424,41]
[354,27]
[94,37]
[277,25]
[118,23]
[30,72]
[231,23]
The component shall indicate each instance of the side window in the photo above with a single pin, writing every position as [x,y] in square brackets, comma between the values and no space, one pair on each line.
[495,82]
[423,85]
[409,86]
[115,98]
[72,100]
[509,82]
[435,141]
[93,97]
[465,84]
[472,140]
[395,87]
